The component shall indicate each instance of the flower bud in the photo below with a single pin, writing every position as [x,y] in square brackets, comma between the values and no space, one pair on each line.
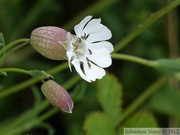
[50,42]
[57,96]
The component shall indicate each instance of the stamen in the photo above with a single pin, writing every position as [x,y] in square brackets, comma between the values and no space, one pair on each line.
[85,36]
[90,52]
[88,62]
[75,47]
[79,40]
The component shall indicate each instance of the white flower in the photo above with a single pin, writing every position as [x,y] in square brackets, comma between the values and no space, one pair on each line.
[88,51]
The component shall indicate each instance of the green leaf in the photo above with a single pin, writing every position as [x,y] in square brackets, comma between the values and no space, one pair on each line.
[139,120]
[79,91]
[110,97]
[167,102]
[98,123]
[39,74]
[3,73]
[2,43]
[37,95]
[167,66]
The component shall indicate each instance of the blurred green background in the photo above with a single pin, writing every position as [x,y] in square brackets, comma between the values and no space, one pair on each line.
[19,17]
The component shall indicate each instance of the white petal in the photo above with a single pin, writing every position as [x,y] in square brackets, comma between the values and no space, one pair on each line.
[93,26]
[99,45]
[103,34]
[69,40]
[77,66]
[101,57]
[69,51]
[69,55]
[79,27]
[94,72]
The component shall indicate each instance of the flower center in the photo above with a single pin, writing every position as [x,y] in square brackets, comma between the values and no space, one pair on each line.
[81,51]
[80,48]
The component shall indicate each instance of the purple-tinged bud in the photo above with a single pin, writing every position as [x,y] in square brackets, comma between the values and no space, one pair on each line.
[50,42]
[57,96]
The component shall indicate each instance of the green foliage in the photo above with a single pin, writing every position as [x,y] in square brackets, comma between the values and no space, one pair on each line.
[79,91]
[109,92]
[136,25]
[2,45]
[167,66]
[166,101]
[3,73]
[2,42]
[141,119]
[39,74]
[98,123]
[26,120]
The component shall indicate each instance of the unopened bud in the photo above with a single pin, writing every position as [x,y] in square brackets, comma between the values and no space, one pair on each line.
[57,96]
[50,42]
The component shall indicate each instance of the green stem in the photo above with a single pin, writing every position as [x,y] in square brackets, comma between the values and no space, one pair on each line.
[28,123]
[47,115]
[142,61]
[21,125]
[72,81]
[143,97]
[14,70]
[15,48]
[30,82]
[146,24]
[25,117]
[14,44]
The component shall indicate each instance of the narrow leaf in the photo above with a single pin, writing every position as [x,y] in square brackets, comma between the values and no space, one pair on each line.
[167,66]
[3,73]
[2,43]
[110,97]
[37,95]
[39,73]
[79,91]
[139,120]
[98,124]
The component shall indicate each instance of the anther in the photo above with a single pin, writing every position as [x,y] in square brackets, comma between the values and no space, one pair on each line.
[75,47]
[88,62]
[79,40]
[90,52]
[84,37]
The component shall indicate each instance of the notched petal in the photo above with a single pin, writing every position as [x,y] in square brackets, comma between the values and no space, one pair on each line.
[101,58]
[91,53]
[99,45]
[94,72]
[79,27]
[78,68]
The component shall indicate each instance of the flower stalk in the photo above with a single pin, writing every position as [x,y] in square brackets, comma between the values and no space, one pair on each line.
[139,60]
[14,44]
